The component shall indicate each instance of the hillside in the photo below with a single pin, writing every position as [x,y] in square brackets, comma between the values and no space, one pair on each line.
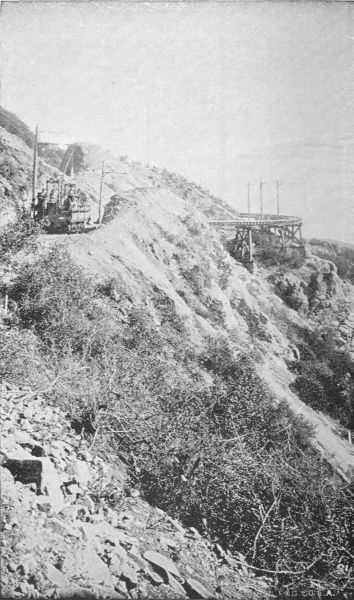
[16,160]
[163,357]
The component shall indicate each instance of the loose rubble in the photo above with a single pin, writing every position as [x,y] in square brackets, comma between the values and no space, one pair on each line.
[61,539]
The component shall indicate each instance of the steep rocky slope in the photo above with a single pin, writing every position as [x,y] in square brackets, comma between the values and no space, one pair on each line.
[61,539]
[155,253]
[16,163]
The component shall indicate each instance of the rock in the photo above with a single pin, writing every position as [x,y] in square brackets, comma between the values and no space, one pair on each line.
[56,577]
[197,590]
[105,532]
[87,566]
[11,567]
[129,575]
[175,523]
[28,412]
[51,484]
[21,437]
[163,563]
[111,516]
[74,490]
[80,471]
[120,552]
[44,504]
[28,565]
[97,518]
[73,592]
[116,565]
[88,503]
[168,543]
[137,559]
[23,588]
[69,513]
[176,586]
[122,588]
[155,578]
[25,470]
[195,533]
[62,528]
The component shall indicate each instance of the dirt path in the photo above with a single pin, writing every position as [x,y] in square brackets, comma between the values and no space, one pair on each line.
[335,449]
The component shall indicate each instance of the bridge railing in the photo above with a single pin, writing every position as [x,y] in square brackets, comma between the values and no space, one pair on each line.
[256,219]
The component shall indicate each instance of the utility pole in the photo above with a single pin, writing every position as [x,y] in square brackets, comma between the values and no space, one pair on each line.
[261,196]
[103,173]
[278,198]
[35,165]
[148,135]
[100,200]
[248,198]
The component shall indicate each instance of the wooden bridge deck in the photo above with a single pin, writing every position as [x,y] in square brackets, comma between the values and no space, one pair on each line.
[256,220]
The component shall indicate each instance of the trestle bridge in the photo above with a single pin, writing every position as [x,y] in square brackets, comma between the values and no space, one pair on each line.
[286,229]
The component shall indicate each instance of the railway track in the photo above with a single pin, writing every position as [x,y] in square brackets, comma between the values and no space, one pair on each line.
[256,220]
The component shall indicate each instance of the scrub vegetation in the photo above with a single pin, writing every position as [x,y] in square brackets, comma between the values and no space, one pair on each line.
[197,428]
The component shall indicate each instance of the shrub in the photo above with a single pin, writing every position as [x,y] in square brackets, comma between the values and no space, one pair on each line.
[15,236]
[325,375]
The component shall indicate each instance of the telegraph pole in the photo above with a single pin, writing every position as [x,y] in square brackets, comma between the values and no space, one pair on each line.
[248,198]
[35,165]
[100,200]
[103,173]
[278,198]
[261,196]
[148,135]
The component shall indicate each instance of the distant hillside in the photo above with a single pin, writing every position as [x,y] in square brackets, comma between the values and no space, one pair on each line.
[341,254]
[14,125]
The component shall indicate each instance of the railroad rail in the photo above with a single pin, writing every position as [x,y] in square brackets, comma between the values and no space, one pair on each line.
[285,228]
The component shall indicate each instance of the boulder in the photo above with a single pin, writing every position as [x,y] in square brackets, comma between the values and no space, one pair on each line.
[197,590]
[25,470]
[63,528]
[106,533]
[87,566]
[129,575]
[155,578]
[56,577]
[162,562]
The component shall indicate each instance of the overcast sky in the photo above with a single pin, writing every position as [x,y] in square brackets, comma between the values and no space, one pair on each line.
[235,90]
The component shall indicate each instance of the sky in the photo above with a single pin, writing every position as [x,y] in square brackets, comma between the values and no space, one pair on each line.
[222,92]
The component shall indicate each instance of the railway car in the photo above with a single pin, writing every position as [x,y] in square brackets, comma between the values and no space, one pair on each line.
[62,208]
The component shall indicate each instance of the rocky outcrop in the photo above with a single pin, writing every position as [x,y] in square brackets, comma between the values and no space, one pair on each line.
[61,538]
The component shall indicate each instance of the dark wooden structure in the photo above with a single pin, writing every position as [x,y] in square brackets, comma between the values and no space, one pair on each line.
[287,230]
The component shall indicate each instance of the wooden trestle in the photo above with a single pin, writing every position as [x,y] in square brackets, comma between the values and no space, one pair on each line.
[286,229]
